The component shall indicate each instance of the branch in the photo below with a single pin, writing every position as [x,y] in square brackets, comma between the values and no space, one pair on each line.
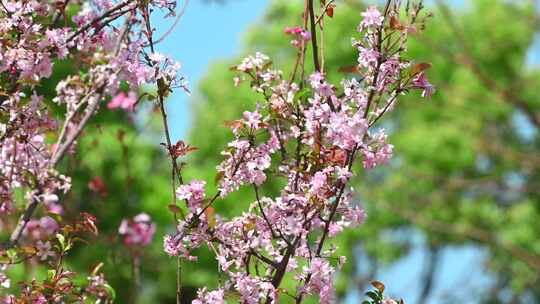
[176,21]
[429,274]
[314,36]
[57,156]
[323,11]
[474,233]
[96,20]
[174,170]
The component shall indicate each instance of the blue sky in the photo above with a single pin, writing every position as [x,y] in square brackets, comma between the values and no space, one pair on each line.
[208,31]
[213,31]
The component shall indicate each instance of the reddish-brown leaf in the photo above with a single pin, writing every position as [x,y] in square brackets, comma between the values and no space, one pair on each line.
[174,208]
[98,186]
[379,285]
[349,69]
[395,24]
[419,67]
[233,123]
[181,148]
[330,11]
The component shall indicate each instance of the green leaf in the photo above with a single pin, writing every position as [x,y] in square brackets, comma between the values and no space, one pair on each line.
[373,295]
[301,94]
[61,240]
[110,290]
[50,274]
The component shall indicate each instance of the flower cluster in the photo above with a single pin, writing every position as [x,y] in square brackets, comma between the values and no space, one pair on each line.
[109,56]
[300,35]
[310,134]
[54,241]
[138,231]
[110,45]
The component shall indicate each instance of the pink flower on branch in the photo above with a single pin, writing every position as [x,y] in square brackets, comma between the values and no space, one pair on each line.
[421,82]
[44,250]
[193,193]
[309,135]
[138,231]
[301,36]
[372,17]
[123,101]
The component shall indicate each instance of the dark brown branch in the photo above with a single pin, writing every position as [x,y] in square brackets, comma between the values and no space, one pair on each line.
[313,27]
[174,170]
[96,20]
[429,274]
[474,233]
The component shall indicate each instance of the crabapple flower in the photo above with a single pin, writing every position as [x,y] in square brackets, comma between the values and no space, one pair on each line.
[98,286]
[5,282]
[123,101]
[193,192]
[421,82]
[41,229]
[300,35]
[310,137]
[44,250]
[345,131]
[253,119]
[367,57]
[256,62]
[321,274]
[107,41]
[378,152]
[371,17]
[138,231]
[176,246]
[210,297]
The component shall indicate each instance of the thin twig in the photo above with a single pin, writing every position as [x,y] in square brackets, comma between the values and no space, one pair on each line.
[315,48]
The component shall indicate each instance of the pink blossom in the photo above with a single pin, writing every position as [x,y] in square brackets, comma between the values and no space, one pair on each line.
[367,57]
[174,246]
[371,17]
[253,290]
[355,216]
[5,282]
[193,192]
[301,35]
[44,250]
[41,229]
[256,62]
[97,286]
[421,82]
[210,297]
[137,232]
[48,224]
[123,101]
[321,280]
[43,68]
[169,246]
[378,152]
[253,119]
[343,174]
[39,299]
[345,131]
